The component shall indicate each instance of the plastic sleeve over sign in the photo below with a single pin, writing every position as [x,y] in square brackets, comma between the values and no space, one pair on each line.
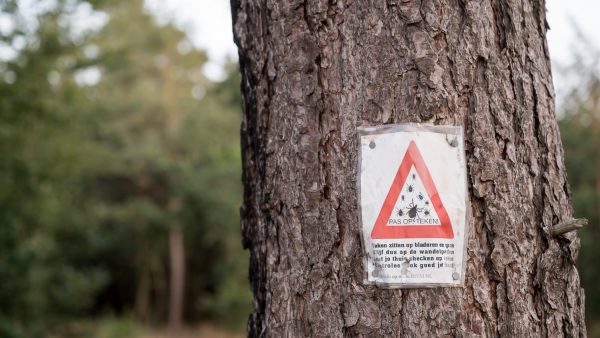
[413,204]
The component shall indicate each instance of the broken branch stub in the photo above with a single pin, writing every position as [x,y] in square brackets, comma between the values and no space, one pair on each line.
[570,225]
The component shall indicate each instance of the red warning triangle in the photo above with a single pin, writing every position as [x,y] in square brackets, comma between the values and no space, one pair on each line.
[383,230]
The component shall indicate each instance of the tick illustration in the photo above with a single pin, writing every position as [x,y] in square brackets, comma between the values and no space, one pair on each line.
[413,210]
[400,212]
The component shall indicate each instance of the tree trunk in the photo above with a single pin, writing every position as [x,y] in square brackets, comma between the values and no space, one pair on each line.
[177,280]
[312,72]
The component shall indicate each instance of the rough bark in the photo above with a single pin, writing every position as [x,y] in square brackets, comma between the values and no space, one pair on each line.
[312,72]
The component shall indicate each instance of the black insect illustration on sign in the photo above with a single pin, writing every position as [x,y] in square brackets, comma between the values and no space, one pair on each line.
[413,210]
[399,212]
[413,205]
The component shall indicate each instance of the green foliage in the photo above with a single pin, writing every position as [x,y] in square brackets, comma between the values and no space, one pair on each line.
[93,177]
[114,328]
[40,283]
[580,131]
[579,121]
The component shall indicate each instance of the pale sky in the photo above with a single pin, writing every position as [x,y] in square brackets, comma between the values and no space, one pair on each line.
[208,24]
[563,16]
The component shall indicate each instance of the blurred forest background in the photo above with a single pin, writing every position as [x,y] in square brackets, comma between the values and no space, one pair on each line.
[117,153]
[120,177]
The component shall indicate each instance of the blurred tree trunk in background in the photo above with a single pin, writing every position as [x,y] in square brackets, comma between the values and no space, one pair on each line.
[312,72]
[177,254]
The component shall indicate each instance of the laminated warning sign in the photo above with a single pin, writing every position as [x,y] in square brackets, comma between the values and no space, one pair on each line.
[413,204]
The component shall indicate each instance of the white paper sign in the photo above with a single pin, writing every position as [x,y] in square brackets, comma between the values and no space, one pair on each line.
[413,202]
